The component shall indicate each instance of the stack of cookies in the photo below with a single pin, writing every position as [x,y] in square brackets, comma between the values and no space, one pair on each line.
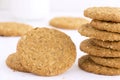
[43,51]
[103,46]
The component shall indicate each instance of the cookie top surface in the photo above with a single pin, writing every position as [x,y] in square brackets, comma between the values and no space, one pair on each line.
[110,62]
[46,52]
[90,48]
[108,26]
[103,13]
[114,45]
[89,31]
[14,63]
[68,22]
[13,28]
[88,65]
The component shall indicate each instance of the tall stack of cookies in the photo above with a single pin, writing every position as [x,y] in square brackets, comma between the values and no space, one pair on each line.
[103,46]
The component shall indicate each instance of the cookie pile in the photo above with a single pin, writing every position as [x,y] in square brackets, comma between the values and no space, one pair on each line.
[43,51]
[103,46]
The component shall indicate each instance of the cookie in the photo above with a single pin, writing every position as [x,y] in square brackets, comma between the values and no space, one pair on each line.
[88,31]
[90,48]
[108,26]
[46,52]
[14,63]
[110,62]
[103,13]
[88,65]
[115,45]
[67,22]
[13,28]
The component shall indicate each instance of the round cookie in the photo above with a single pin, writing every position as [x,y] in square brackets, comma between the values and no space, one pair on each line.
[13,28]
[108,26]
[46,52]
[103,13]
[68,22]
[90,48]
[88,65]
[14,63]
[88,31]
[110,62]
[115,45]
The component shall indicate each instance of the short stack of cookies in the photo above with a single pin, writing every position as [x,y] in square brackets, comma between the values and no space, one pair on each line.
[103,46]
[43,51]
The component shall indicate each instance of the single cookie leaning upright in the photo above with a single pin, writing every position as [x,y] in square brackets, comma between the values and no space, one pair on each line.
[108,26]
[88,65]
[68,22]
[90,48]
[103,13]
[46,52]
[14,63]
[88,31]
[110,62]
[114,45]
[13,28]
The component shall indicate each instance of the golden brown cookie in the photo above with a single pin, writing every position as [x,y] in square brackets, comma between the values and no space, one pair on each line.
[88,31]
[88,65]
[110,62]
[103,13]
[46,52]
[90,48]
[13,28]
[68,22]
[115,45]
[108,26]
[14,63]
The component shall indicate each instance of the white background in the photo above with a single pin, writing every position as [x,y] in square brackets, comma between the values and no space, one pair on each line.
[70,5]
[65,7]
[77,5]
[57,8]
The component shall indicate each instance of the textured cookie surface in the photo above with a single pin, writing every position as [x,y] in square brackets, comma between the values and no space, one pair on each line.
[88,65]
[14,63]
[110,62]
[108,26]
[88,31]
[115,45]
[90,48]
[46,52]
[13,28]
[68,22]
[103,13]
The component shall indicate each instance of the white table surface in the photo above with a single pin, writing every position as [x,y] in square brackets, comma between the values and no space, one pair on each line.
[8,46]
